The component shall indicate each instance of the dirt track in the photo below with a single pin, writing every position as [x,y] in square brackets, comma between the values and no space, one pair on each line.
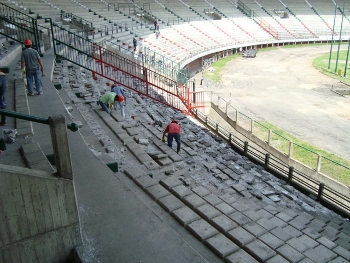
[283,88]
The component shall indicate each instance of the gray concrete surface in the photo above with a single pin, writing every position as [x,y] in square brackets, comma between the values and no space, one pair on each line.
[38,215]
[118,221]
[282,87]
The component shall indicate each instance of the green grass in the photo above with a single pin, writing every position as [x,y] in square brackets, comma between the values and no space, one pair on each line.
[313,44]
[267,49]
[309,158]
[215,75]
[321,63]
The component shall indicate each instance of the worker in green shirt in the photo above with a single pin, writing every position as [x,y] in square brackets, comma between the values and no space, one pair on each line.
[107,101]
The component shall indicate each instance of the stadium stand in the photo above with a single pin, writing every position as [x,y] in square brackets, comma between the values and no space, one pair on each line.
[231,205]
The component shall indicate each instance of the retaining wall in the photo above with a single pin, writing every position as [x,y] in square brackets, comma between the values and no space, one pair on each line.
[38,216]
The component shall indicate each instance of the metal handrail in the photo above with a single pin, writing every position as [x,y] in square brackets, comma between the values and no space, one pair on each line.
[305,148]
[335,162]
[71,126]
[17,11]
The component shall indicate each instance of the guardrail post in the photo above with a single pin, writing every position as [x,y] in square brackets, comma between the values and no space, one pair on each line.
[290,154]
[229,137]
[267,160]
[206,119]
[320,191]
[319,159]
[60,146]
[290,174]
[246,144]
[269,137]
[217,127]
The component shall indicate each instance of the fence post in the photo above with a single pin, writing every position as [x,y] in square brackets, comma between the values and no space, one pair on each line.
[318,168]
[100,50]
[206,120]
[246,144]
[188,100]
[320,191]
[267,160]
[290,174]
[60,146]
[217,128]
[251,125]
[290,154]
[269,137]
[229,137]
[146,78]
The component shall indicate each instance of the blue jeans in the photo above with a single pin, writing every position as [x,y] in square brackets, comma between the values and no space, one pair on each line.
[3,89]
[121,104]
[104,107]
[36,75]
[171,137]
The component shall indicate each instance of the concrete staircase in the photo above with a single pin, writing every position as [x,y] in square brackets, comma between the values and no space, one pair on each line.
[238,210]
[240,229]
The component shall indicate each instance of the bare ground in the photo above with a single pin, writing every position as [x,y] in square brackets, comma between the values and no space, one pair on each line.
[283,88]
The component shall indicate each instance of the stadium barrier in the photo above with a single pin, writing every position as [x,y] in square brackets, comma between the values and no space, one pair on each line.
[19,26]
[130,74]
[310,179]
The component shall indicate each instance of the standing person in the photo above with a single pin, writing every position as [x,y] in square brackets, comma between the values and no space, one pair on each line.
[155,24]
[173,130]
[157,28]
[3,89]
[31,60]
[107,100]
[121,98]
[134,41]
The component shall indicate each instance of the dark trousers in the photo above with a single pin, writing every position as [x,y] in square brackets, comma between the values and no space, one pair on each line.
[177,137]
[3,89]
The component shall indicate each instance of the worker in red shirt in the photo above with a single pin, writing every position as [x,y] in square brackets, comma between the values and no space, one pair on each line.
[173,130]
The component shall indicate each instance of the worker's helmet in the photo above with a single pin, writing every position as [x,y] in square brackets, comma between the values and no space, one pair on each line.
[120,98]
[27,42]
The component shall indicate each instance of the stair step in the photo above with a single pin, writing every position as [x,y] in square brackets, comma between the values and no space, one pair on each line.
[34,157]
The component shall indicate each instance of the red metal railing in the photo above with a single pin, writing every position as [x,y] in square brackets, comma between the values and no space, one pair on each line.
[145,81]
[267,27]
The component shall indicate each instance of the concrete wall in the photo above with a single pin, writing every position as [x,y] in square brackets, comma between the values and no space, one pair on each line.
[194,67]
[38,216]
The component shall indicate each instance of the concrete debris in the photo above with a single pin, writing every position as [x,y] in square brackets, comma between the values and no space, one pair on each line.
[216,165]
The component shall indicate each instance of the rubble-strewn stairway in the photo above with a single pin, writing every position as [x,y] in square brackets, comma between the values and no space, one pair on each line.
[235,207]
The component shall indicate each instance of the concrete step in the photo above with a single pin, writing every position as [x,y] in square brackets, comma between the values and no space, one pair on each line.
[35,158]
[125,135]
[9,51]
[237,229]
[24,128]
